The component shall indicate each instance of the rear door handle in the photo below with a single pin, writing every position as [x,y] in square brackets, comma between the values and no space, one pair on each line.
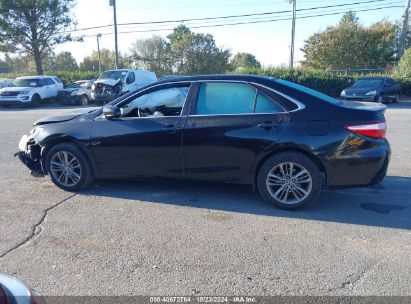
[268,124]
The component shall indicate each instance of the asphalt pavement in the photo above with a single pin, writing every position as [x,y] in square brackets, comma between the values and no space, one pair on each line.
[194,238]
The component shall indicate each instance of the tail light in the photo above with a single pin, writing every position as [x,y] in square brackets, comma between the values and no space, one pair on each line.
[374,129]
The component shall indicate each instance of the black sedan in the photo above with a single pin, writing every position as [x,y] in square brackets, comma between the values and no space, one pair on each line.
[375,89]
[286,140]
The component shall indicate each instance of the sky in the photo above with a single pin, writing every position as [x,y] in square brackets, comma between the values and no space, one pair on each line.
[269,41]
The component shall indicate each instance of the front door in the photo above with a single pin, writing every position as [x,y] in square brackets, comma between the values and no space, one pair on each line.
[231,124]
[146,139]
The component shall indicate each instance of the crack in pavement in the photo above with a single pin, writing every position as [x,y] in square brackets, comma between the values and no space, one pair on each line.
[36,228]
[352,280]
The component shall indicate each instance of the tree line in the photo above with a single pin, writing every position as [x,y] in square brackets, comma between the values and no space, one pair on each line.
[30,31]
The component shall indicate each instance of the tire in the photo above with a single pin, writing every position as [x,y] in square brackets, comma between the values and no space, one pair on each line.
[58,157]
[83,100]
[379,99]
[397,98]
[294,198]
[35,100]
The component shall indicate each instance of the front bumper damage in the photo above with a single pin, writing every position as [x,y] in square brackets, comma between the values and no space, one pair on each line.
[30,155]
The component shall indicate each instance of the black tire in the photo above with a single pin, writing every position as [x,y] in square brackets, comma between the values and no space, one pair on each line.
[84,101]
[35,100]
[85,171]
[300,163]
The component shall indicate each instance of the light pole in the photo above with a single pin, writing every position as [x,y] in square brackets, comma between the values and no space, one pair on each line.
[98,51]
[113,4]
[293,33]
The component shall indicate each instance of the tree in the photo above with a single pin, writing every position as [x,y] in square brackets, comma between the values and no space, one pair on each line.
[349,45]
[64,61]
[244,61]
[34,26]
[404,65]
[193,53]
[90,63]
[152,54]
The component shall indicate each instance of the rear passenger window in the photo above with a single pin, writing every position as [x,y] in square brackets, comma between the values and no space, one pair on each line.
[225,98]
[264,104]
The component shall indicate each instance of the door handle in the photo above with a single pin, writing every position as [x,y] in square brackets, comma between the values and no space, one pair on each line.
[268,124]
[170,128]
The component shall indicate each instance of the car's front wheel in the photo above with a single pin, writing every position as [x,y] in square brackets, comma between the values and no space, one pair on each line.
[380,99]
[35,100]
[289,180]
[68,167]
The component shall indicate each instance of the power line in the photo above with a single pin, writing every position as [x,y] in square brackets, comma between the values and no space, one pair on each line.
[227,17]
[249,22]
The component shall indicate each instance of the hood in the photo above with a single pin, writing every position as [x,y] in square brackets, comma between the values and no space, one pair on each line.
[360,90]
[15,89]
[110,82]
[64,116]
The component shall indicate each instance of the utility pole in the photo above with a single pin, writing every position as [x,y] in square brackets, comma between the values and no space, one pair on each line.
[293,33]
[404,31]
[113,4]
[98,50]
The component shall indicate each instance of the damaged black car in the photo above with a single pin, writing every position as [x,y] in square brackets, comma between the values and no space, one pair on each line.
[285,140]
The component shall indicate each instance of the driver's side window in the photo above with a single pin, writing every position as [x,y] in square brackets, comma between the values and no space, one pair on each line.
[163,102]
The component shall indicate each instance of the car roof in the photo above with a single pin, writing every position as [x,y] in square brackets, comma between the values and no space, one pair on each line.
[226,77]
[35,77]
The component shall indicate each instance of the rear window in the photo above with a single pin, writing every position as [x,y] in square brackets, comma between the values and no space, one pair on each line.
[309,91]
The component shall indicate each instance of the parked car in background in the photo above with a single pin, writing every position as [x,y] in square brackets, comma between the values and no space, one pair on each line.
[15,291]
[4,83]
[375,89]
[114,83]
[284,139]
[76,93]
[30,90]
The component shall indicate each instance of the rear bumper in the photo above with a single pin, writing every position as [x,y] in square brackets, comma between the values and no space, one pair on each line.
[363,168]
[29,154]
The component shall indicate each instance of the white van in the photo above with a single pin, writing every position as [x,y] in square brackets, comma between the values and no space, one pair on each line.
[114,83]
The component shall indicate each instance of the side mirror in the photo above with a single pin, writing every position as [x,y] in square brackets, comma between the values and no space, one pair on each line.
[111,112]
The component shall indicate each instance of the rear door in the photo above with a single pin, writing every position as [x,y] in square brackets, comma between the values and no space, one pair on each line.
[229,125]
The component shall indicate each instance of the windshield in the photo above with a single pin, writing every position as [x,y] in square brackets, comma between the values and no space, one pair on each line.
[26,83]
[113,75]
[368,83]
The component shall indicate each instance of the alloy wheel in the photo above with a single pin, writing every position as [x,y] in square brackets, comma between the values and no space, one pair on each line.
[65,168]
[289,183]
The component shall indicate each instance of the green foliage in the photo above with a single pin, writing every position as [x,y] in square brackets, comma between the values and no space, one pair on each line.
[403,70]
[193,53]
[34,27]
[66,76]
[351,45]
[244,61]
[152,54]
[323,81]
[107,57]
[64,61]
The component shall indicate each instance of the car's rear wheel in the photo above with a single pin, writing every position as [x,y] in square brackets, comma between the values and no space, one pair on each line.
[289,180]
[68,167]
[84,100]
